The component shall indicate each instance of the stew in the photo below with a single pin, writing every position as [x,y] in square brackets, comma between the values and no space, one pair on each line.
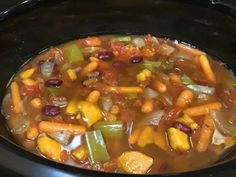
[124,103]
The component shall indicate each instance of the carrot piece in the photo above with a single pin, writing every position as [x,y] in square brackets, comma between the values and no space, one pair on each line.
[160,86]
[92,66]
[203,109]
[175,78]
[49,127]
[36,103]
[147,106]
[134,136]
[93,96]
[205,65]
[206,133]
[124,89]
[32,131]
[184,98]
[190,49]
[16,97]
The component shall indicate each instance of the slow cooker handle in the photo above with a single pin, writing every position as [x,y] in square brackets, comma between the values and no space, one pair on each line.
[228,3]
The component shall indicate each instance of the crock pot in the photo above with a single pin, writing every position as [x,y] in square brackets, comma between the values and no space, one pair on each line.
[28,27]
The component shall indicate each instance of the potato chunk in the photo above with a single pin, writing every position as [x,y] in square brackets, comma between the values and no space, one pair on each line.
[135,162]
[49,147]
[178,140]
[90,112]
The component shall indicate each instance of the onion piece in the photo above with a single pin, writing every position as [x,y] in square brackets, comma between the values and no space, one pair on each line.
[62,137]
[166,49]
[138,42]
[222,122]
[5,105]
[106,103]
[59,101]
[21,124]
[152,118]
[202,89]
[149,93]
[218,138]
[47,68]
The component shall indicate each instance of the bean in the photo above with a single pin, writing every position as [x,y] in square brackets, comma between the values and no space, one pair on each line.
[136,59]
[182,127]
[105,55]
[118,64]
[53,83]
[50,110]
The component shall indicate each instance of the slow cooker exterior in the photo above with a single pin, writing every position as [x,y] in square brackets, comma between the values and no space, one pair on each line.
[29,27]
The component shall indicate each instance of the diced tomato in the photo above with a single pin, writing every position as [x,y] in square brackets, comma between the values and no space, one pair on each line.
[93,41]
[171,113]
[109,75]
[129,51]
[116,46]
[31,90]
[64,156]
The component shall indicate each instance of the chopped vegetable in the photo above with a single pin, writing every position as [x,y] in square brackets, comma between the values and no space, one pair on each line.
[96,147]
[184,99]
[106,103]
[93,96]
[91,113]
[32,131]
[93,41]
[72,107]
[146,136]
[63,137]
[205,65]
[92,66]
[138,42]
[74,53]
[178,140]
[36,103]
[150,65]
[15,93]
[49,147]
[149,93]
[50,127]
[123,38]
[166,49]
[112,129]
[206,133]
[124,89]
[80,153]
[133,138]
[187,80]
[203,109]
[160,86]
[187,120]
[160,141]
[28,73]
[202,89]
[135,162]
[29,82]
[20,126]
[71,73]
[47,68]
[147,106]
[143,75]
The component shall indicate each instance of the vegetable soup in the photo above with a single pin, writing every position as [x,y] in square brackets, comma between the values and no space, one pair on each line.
[125,104]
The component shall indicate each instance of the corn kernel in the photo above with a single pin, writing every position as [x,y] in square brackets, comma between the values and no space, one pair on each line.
[80,153]
[72,107]
[71,73]
[188,121]
[27,73]
[143,75]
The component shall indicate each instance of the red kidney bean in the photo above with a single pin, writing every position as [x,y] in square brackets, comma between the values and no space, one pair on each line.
[50,110]
[53,83]
[136,59]
[182,127]
[105,55]
[118,64]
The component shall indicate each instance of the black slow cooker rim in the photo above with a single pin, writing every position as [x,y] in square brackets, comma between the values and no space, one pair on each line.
[19,151]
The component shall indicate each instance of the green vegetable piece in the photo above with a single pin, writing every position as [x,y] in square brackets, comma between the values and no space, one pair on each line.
[110,129]
[231,83]
[96,147]
[75,53]
[123,38]
[167,66]
[187,80]
[53,90]
[150,65]
[202,89]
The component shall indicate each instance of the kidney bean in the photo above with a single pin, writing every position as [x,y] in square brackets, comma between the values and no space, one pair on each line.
[50,110]
[182,127]
[118,64]
[136,59]
[53,83]
[105,55]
